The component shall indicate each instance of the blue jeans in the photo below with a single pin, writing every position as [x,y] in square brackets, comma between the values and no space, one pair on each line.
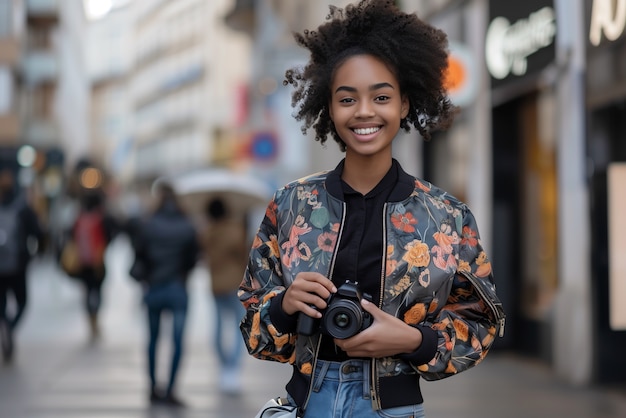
[160,298]
[229,312]
[342,390]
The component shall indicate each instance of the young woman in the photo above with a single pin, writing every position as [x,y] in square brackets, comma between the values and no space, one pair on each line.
[365,278]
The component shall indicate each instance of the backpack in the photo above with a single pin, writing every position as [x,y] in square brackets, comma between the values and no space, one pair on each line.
[10,232]
[90,239]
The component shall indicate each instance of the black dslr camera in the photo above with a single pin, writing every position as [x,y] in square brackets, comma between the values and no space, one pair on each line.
[342,318]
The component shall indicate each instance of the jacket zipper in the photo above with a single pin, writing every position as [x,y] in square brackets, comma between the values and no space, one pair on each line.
[312,380]
[319,339]
[500,317]
[375,384]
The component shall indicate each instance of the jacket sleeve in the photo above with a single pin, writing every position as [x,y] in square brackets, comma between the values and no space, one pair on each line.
[469,320]
[262,282]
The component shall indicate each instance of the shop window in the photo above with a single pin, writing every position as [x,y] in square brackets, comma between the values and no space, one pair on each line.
[539,206]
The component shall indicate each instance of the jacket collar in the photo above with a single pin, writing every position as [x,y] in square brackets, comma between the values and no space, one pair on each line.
[401,190]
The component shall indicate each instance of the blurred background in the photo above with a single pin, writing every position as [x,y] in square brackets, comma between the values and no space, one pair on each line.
[114,94]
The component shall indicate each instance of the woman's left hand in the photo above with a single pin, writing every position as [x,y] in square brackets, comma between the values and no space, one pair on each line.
[387,336]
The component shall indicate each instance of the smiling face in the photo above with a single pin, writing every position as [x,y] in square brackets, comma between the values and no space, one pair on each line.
[366,106]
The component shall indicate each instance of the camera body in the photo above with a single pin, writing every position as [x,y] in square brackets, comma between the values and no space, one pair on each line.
[342,318]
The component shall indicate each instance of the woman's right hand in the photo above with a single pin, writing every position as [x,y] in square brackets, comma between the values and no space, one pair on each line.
[308,288]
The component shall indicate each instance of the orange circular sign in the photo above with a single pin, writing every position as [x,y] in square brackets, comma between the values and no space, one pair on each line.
[460,79]
[455,76]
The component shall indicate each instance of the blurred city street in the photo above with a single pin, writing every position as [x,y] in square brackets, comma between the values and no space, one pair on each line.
[58,373]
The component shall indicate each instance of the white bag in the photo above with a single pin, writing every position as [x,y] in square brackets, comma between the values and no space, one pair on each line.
[277,408]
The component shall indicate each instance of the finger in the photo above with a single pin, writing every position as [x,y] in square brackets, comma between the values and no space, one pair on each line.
[351,345]
[314,283]
[301,301]
[314,301]
[314,277]
[370,307]
[311,311]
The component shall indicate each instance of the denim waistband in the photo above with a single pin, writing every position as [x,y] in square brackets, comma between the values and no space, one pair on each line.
[345,371]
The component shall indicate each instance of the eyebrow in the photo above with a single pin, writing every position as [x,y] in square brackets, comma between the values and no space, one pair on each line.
[372,87]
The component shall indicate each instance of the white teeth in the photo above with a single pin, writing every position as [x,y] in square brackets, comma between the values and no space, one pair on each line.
[366,131]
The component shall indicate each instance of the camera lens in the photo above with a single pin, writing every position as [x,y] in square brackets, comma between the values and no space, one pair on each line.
[342,320]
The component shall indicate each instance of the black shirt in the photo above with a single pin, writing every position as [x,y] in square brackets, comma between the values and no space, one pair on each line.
[360,254]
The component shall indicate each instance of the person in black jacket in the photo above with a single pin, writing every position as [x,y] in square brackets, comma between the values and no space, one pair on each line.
[166,245]
[18,222]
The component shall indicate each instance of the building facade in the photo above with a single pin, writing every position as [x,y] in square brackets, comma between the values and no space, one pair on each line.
[605,111]
[187,70]
[109,55]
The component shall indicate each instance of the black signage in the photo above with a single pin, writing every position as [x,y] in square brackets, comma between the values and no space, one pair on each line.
[520,39]
[607,21]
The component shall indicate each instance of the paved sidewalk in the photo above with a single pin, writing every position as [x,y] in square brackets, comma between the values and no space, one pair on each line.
[58,374]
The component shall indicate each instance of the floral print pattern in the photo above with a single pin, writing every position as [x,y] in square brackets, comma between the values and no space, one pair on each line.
[432,251]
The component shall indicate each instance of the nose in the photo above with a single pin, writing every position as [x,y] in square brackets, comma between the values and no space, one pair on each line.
[364,109]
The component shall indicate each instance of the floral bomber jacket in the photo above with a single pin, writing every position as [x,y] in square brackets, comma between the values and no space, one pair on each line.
[436,274]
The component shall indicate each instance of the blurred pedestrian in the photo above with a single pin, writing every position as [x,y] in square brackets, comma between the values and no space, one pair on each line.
[18,224]
[365,278]
[166,246]
[225,250]
[61,216]
[92,232]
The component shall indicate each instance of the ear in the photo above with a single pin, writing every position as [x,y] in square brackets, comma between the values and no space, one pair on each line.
[330,111]
[406,105]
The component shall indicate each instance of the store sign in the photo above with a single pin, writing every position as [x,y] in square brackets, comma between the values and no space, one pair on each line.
[608,17]
[519,45]
[461,78]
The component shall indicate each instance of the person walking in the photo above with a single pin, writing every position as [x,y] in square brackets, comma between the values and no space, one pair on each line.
[365,278]
[166,245]
[18,224]
[92,232]
[225,250]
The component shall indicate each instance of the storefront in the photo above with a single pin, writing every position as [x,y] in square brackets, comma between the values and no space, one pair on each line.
[529,134]
[520,46]
[606,144]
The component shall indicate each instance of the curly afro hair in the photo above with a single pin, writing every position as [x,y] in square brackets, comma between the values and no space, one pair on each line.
[413,50]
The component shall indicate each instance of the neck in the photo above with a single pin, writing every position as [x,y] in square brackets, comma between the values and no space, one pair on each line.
[363,174]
